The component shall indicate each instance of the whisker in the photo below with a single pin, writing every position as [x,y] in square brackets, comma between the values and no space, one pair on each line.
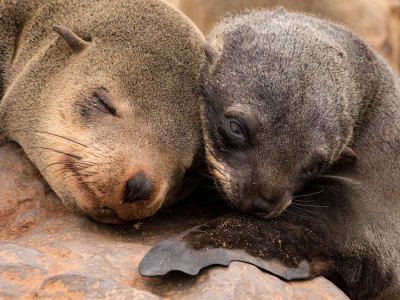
[65,168]
[305,201]
[299,208]
[292,213]
[60,152]
[74,141]
[87,173]
[50,165]
[306,205]
[66,138]
[69,176]
[309,195]
[60,136]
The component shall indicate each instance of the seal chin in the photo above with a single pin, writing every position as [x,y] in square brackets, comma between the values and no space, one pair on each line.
[109,216]
[270,215]
[124,215]
[277,211]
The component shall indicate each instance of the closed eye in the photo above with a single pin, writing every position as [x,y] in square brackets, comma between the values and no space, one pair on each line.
[315,168]
[103,100]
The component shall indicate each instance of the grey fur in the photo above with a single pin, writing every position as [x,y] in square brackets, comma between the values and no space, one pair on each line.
[146,54]
[310,88]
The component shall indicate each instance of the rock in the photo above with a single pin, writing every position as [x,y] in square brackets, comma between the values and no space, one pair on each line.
[394,46]
[377,21]
[244,281]
[48,253]
[78,286]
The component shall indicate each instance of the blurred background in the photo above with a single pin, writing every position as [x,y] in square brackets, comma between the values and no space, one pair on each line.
[378,21]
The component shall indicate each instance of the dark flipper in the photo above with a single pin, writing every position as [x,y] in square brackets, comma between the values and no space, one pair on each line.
[275,246]
[316,237]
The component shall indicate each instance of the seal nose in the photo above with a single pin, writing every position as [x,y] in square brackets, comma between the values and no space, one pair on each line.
[138,188]
[261,205]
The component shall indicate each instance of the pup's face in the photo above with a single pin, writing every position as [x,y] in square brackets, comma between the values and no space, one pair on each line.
[270,116]
[116,140]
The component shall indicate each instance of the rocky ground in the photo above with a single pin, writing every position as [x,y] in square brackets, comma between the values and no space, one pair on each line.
[48,253]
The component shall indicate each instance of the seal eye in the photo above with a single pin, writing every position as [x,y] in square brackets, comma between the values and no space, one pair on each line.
[104,103]
[235,130]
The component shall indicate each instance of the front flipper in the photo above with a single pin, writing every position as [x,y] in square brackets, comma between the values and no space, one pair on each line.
[276,246]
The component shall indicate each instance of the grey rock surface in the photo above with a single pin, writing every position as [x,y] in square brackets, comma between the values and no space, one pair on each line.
[47,252]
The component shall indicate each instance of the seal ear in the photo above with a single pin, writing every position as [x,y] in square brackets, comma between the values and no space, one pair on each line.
[76,43]
[348,153]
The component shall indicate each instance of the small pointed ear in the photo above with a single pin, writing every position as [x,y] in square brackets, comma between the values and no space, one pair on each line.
[211,53]
[348,153]
[76,43]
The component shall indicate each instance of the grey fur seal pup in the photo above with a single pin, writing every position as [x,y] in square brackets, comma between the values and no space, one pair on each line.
[291,98]
[104,100]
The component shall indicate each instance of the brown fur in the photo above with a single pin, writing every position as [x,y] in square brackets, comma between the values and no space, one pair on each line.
[146,55]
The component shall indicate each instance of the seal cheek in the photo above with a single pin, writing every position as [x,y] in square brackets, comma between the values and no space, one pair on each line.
[219,171]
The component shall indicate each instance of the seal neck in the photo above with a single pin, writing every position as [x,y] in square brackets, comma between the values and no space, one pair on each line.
[375,84]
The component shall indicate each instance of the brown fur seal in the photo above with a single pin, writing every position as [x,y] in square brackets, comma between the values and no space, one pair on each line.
[375,20]
[104,100]
[285,96]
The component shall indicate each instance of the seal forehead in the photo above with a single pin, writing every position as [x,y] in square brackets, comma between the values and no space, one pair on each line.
[276,34]
[141,25]
[281,64]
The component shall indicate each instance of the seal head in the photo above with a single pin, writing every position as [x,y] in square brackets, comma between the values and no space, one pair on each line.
[276,108]
[105,102]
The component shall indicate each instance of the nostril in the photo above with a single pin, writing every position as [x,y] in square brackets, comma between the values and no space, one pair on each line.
[138,188]
[260,205]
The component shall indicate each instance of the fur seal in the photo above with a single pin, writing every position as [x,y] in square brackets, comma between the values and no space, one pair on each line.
[286,95]
[104,100]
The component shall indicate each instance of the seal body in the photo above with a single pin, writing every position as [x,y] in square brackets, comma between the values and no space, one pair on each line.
[103,101]
[291,99]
